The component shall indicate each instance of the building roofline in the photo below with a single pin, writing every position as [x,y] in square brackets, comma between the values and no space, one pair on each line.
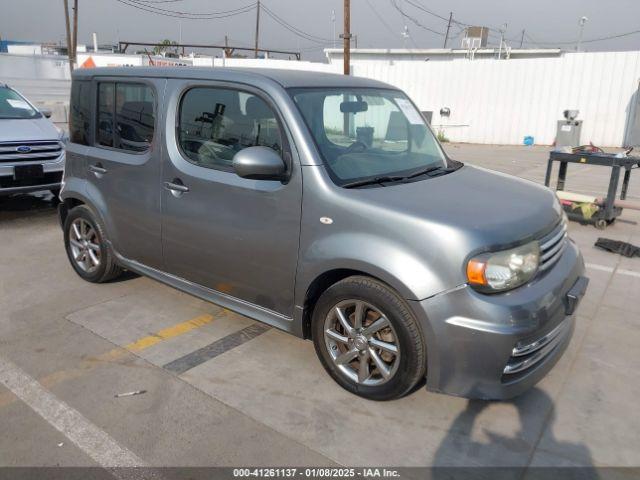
[440,51]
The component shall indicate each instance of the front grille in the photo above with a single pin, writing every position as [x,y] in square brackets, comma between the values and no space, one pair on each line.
[41,151]
[527,354]
[552,246]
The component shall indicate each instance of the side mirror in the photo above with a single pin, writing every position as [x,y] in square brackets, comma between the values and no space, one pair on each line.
[259,163]
[46,112]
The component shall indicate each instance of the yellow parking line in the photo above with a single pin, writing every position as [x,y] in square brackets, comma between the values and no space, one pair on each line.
[169,332]
[116,354]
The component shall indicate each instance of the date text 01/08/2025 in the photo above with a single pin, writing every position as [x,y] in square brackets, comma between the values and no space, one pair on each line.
[315,472]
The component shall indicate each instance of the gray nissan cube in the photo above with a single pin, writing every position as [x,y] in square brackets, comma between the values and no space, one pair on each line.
[322,205]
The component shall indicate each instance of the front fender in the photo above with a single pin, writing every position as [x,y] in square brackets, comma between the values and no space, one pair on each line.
[393,263]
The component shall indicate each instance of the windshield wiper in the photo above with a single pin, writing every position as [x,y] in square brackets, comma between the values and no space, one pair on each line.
[431,171]
[372,181]
[426,171]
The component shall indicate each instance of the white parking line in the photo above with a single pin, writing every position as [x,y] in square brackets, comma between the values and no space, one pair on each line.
[93,441]
[618,271]
[602,268]
[631,273]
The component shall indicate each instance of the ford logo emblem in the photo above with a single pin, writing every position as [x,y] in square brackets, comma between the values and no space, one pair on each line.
[23,149]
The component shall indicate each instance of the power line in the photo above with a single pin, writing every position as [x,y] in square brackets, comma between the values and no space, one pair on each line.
[292,29]
[426,10]
[413,20]
[592,40]
[382,20]
[137,4]
[159,1]
[195,14]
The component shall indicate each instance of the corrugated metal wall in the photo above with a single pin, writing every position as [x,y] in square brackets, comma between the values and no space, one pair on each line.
[502,101]
[491,101]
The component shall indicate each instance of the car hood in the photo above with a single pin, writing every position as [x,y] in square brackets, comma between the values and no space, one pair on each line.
[25,129]
[490,209]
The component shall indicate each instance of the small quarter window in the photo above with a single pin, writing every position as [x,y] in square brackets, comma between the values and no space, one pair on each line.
[126,116]
[217,123]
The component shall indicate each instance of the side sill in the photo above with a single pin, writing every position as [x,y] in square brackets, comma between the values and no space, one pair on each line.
[234,304]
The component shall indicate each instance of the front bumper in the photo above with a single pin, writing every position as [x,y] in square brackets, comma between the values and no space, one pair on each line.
[51,180]
[473,338]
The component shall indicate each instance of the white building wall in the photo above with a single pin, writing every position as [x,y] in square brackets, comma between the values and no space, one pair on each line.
[502,101]
[491,101]
[22,49]
[44,80]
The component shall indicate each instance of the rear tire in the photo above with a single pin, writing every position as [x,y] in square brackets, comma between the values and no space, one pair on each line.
[86,246]
[387,337]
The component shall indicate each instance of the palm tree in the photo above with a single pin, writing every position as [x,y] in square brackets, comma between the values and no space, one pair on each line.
[164,46]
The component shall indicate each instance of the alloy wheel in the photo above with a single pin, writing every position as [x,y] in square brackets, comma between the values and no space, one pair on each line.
[362,342]
[84,244]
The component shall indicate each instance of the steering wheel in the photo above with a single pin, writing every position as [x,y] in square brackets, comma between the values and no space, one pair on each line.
[356,147]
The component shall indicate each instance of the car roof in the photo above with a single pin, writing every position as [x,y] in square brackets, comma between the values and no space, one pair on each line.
[286,78]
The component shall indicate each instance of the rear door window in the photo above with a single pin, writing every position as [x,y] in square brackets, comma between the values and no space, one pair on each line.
[126,116]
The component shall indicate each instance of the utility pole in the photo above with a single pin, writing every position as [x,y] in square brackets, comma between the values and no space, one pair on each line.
[582,22]
[405,36]
[257,28]
[522,38]
[75,31]
[346,36]
[66,18]
[446,35]
[502,30]
[333,22]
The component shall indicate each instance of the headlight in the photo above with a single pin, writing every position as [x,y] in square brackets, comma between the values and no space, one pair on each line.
[63,136]
[500,271]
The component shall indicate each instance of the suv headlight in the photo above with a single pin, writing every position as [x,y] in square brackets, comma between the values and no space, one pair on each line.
[63,136]
[500,271]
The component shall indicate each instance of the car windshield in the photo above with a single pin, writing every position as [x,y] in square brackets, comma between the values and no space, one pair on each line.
[12,105]
[368,134]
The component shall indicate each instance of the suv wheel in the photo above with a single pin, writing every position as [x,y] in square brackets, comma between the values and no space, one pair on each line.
[88,252]
[368,340]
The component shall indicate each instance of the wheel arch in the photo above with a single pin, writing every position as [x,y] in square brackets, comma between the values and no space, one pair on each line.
[324,281]
[66,206]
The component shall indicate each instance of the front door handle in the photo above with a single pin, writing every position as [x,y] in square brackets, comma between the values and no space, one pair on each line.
[97,169]
[176,187]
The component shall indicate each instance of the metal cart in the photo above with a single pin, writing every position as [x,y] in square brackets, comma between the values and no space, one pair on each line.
[609,211]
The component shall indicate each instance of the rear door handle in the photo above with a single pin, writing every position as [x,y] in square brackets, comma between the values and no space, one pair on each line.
[177,188]
[97,169]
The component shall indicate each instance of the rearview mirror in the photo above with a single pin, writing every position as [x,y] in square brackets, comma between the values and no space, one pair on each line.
[46,112]
[259,163]
[354,107]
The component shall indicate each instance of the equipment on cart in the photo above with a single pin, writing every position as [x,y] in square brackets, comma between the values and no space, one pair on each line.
[568,130]
[586,209]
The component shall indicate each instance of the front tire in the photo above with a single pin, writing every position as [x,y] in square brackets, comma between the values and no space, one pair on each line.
[368,340]
[86,246]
